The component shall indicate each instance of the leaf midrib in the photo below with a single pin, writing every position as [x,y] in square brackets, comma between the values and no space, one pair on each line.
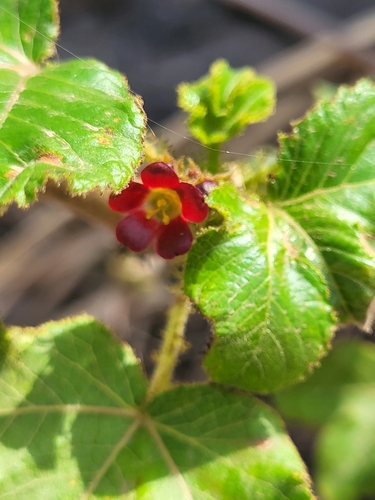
[21,57]
[68,408]
[323,192]
[266,322]
[193,442]
[110,459]
[151,427]
[13,99]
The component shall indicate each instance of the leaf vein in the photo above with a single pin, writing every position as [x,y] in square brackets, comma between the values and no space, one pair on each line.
[324,192]
[100,385]
[110,459]
[149,424]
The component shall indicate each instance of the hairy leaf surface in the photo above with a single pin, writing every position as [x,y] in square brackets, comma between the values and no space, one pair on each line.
[270,276]
[76,121]
[73,424]
[261,280]
[328,187]
[223,103]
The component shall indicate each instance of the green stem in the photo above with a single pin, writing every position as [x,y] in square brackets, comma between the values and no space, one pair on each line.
[173,342]
[214,158]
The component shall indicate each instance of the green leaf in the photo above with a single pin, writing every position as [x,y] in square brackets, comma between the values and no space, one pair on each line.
[261,280]
[309,245]
[227,446]
[223,103]
[328,188]
[73,425]
[346,449]
[29,29]
[76,121]
[340,399]
[349,367]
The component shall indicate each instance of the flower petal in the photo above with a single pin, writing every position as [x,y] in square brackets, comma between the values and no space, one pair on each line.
[131,197]
[173,239]
[159,175]
[136,231]
[194,208]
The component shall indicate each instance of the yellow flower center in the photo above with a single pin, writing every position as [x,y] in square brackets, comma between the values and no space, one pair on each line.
[164,204]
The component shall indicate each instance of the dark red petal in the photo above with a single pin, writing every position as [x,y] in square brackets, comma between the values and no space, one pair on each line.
[136,231]
[173,239]
[131,197]
[194,209]
[159,175]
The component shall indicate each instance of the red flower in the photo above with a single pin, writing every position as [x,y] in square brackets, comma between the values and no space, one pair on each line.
[158,210]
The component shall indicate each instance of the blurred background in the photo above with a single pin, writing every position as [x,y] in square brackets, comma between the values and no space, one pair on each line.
[54,264]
